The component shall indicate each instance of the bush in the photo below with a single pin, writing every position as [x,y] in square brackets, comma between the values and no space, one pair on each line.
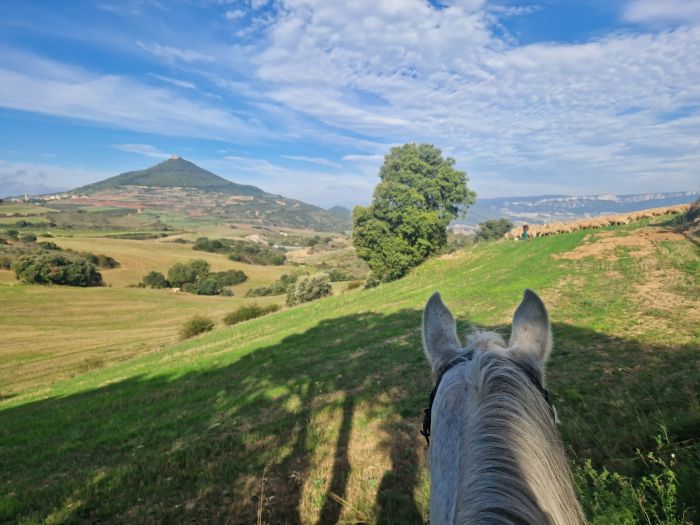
[249,312]
[279,287]
[309,288]
[195,326]
[352,285]
[183,273]
[12,234]
[337,275]
[56,269]
[208,286]
[155,280]
[229,277]
[22,224]
[101,260]
[27,237]
[48,245]
[493,229]
[242,251]
[5,262]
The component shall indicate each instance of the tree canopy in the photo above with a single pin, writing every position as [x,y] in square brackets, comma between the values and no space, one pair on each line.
[419,193]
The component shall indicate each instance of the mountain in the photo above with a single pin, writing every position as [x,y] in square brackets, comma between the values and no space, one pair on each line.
[177,185]
[340,211]
[557,208]
[175,172]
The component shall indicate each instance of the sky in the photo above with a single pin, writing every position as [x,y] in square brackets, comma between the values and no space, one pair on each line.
[304,98]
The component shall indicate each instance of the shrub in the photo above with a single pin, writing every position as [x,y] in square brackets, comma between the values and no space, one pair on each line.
[279,287]
[208,286]
[22,224]
[12,234]
[101,260]
[352,285]
[5,262]
[56,269]
[309,288]
[229,277]
[182,273]
[195,326]
[249,312]
[48,245]
[155,280]
[493,229]
[337,275]
[27,237]
[242,251]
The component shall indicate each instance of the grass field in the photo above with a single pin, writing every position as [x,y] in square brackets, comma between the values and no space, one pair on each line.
[283,417]
[137,258]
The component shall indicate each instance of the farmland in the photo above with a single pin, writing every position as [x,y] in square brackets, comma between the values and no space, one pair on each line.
[311,414]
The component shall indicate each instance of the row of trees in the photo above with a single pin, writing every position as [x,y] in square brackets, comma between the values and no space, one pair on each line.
[242,251]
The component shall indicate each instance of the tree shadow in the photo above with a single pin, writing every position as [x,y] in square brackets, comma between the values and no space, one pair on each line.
[241,437]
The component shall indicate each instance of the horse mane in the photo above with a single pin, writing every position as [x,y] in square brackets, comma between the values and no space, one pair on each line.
[507,456]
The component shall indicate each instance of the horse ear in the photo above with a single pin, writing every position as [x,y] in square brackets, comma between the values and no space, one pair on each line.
[531,331]
[440,340]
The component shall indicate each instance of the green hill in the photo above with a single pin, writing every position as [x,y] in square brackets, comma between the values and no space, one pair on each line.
[172,173]
[311,414]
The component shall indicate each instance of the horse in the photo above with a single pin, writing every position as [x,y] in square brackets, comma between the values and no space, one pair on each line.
[494,452]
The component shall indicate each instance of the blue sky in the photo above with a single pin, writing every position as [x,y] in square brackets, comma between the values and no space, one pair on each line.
[304,97]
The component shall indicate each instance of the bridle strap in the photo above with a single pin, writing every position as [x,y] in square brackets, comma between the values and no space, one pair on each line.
[427,413]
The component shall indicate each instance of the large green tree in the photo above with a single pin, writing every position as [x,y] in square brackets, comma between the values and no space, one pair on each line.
[420,192]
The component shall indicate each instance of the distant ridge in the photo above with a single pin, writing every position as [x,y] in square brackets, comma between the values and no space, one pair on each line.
[172,173]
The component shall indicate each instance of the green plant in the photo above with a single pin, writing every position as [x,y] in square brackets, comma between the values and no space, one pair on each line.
[154,280]
[611,498]
[249,312]
[56,269]
[195,326]
[419,194]
[493,229]
[309,288]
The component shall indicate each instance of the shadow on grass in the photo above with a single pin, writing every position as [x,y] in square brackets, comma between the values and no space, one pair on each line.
[272,433]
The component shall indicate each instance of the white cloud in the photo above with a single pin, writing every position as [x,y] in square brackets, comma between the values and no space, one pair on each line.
[174,81]
[173,54]
[655,12]
[313,160]
[143,149]
[30,83]
[606,115]
[234,14]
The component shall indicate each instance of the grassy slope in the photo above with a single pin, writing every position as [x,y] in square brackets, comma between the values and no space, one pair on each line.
[326,398]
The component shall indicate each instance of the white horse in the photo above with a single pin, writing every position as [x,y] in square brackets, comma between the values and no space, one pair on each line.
[495,454]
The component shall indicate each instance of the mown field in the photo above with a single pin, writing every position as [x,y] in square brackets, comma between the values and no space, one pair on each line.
[311,415]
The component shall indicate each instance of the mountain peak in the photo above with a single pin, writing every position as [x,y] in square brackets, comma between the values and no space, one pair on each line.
[171,173]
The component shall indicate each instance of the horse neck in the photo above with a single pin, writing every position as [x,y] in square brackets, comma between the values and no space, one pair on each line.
[496,455]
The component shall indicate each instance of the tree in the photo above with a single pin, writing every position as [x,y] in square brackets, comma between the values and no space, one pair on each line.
[419,193]
[154,280]
[190,272]
[493,229]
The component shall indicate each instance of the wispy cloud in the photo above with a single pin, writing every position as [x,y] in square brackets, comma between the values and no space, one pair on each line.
[234,14]
[143,149]
[669,11]
[31,83]
[172,54]
[313,160]
[174,81]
